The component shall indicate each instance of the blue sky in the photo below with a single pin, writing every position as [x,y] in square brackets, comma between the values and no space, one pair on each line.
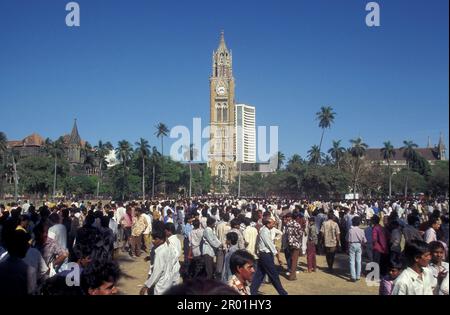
[135,63]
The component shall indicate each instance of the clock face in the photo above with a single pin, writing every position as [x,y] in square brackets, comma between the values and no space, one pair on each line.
[221,90]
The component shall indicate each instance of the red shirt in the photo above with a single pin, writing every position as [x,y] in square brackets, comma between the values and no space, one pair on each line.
[379,239]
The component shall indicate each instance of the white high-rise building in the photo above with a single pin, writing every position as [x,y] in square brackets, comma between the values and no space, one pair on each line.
[245,133]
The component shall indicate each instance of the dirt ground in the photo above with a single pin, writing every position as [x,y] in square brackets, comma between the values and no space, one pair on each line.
[318,283]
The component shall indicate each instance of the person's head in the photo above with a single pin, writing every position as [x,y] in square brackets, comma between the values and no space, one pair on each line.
[235,224]
[196,224]
[417,253]
[24,220]
[394,268]
[356,221]
[158,237]
[169,228]
[104,220]
[138,211]
[269,223]
[247,221]
[242,265]
[18,243]
[199,287]
[210,222]
[232,238]
[375,220]
[435,223]
[100,278]
[413,220]
[330,215]
[437,252]
[41,233]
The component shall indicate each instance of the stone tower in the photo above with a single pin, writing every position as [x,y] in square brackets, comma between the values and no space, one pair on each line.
[74,146]
[222,155]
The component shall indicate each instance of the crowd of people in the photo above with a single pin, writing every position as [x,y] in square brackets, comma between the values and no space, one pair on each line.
[230,243]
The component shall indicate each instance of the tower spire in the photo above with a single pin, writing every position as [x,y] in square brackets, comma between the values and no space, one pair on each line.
[74,135]
[429,143]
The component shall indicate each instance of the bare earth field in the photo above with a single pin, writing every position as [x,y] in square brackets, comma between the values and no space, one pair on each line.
[319,283]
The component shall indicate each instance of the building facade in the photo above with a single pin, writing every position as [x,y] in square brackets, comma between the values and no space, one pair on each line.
[431,153]
[245,133]
[222,150]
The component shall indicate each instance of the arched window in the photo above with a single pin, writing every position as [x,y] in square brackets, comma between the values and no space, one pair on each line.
[221,171]
[225,113]
[219,112]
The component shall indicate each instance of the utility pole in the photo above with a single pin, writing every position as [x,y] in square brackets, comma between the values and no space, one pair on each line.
[239,182]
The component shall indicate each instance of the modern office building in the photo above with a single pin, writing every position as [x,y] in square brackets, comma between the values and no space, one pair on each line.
[245,133]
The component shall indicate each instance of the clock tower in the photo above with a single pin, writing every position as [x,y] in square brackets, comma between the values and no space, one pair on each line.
[222,153]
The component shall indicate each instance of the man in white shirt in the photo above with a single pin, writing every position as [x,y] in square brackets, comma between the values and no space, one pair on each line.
[430,234]
[161,274]
[175,246]
[147,235]
[250,237]
[417,278]
[120,212]
[58,231]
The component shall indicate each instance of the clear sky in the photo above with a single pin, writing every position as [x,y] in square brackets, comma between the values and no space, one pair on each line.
[134,63]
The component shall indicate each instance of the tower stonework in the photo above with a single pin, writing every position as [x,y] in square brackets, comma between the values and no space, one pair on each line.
[222,155]
[74,146]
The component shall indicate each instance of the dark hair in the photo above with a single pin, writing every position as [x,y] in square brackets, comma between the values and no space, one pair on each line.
[232,237]
[415,249]
[210,221]
[356,221]
[170,227]
[375,219]
[247,221]
[104,220]
[235,223]
[239,259]
[330,215]
[98,272]
[433,220]
[196,224]
[412,219]
[435,246]
[54,218]
[201,287]
[159,234]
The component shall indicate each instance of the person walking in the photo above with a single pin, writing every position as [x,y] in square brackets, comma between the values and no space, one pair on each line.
[355,240]
[330,234]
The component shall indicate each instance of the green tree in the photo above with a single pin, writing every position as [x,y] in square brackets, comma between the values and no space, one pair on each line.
[143,150]
[162,131]
[357,151]
[337,152]
[124,152]
[101,151]
[409,153]
[438,182]
[325,117]
[388,153]
[280,159]
[314,155]
[55,150]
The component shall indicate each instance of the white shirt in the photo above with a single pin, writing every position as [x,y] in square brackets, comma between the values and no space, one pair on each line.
[175,248]
[250,237]
[58,233]
[435,272]
[148,229]
[120,212]
[410,283]
[430,235]
[161,275]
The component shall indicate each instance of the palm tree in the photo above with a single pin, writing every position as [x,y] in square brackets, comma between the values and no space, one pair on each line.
[143,148]
[337,152]
[190,154]
[409,154]
[358,150]
[162,131]
[280,159]
[124,152]
[388,153]
[314,155]
[325,117]
[101,151]
[154,158]
[54,149]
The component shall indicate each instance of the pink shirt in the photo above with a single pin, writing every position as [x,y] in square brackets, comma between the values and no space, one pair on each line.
[379,239]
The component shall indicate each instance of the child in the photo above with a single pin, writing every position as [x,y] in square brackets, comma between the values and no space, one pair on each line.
[417,278]
[438,266]
[387,283]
